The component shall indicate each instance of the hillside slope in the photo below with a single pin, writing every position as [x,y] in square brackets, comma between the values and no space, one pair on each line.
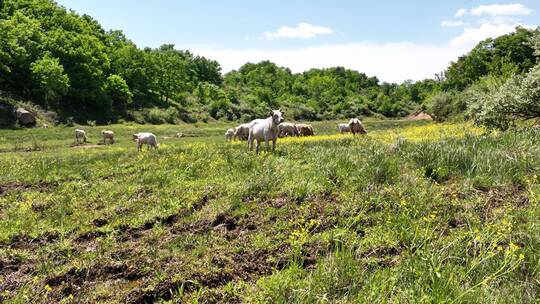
[412,212]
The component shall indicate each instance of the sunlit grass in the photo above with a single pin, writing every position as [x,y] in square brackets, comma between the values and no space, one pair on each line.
[413,133]
[412,211]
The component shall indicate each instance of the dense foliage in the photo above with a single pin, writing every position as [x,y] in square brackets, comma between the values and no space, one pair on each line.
[503,56]
[494,83]
[502,102]
[68,63]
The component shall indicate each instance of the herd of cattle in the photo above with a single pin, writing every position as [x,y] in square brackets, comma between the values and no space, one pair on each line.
[256,131]
[143,138]
[271,128]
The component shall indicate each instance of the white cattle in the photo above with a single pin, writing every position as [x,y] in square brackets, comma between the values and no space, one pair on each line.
[242,132]
[356,126]
[229,135]
[265,130]
[107,134]
[145,138]
[80,135]
[344,128]
[287,129]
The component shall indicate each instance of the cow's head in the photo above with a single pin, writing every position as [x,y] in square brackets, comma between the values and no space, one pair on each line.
[362,129]
[135,137]
[277,116]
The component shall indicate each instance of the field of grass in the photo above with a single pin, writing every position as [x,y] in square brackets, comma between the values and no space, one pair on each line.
[412,212]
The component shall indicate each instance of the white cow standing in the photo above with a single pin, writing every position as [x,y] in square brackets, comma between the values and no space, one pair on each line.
[107,134]
[344,128]
[242,132]
[80,135]
[265,129]
[145,138]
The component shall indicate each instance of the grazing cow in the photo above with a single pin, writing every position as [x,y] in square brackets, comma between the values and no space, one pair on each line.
[305,130]
[80,135]
[287,129]
[265,129]
[356,126]
[145,138]
[229,135]
[242,132]
[344,128]
[108,135]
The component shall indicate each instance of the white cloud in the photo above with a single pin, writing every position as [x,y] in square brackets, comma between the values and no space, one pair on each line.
[392,62]
[303,30]
[471,36]
[461,13]
[515,9]
[496,20]
[452,23]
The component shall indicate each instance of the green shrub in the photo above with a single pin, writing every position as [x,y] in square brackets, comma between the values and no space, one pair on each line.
[441,106]
[502,106]
[160,116]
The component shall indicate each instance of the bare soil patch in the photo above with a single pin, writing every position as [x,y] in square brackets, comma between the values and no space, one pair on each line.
[85,146]
[41,186]
[420,116]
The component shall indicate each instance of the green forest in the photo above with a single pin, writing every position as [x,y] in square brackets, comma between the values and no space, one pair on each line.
[67,65]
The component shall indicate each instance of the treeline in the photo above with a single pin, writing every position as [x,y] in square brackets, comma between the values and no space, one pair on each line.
[473,85]
[67,63]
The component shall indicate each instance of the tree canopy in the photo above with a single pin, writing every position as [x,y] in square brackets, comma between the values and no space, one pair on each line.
[68,63]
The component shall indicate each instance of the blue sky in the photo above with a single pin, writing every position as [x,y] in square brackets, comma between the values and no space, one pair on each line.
[393,40]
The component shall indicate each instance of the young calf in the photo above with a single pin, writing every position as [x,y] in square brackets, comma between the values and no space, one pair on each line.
[265,129]
[344,128]
[287,129]
[108,135]
[80,135]
[242,132]
[229,135]
[305,130]
[145,138]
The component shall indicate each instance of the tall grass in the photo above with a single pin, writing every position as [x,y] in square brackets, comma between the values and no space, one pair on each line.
[409,213]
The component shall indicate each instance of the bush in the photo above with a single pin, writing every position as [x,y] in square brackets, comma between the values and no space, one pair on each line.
[187,117]
[70,121]
[50,80]
[6,115]
[136,116]
[159,116]
[501,106]
[441,106]
[302,112]
[117,89]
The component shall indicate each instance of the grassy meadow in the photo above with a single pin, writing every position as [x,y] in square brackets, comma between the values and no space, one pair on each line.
[413,212]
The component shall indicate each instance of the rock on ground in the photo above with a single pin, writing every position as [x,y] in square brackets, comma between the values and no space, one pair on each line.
[24,116]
